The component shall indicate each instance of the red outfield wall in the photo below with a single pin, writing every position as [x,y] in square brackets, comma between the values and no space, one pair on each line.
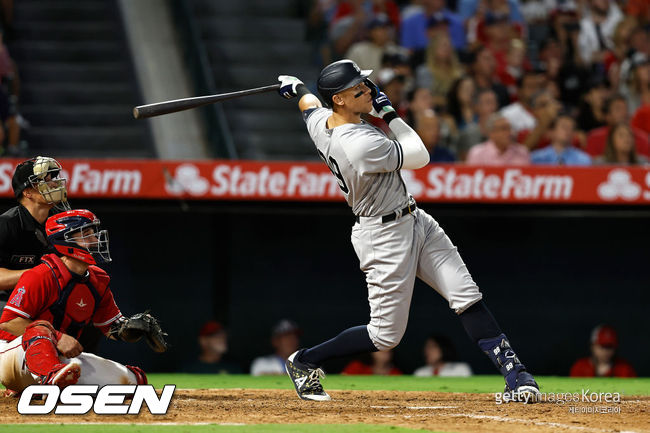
[312,181]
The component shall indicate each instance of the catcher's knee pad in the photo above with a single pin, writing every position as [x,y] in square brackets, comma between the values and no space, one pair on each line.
[39,344]
[140,375]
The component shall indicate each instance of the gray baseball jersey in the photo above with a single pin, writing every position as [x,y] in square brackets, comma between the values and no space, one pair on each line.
[364,160]
[367,165]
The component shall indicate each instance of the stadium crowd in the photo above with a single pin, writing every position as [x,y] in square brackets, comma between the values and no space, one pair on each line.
[492,82]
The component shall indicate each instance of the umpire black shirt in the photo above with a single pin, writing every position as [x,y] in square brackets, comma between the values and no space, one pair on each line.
[22,242]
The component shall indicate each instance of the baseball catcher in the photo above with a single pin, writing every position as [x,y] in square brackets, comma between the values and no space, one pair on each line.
[53,302]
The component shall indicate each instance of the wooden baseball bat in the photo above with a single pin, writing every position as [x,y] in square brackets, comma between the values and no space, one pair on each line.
[166,107]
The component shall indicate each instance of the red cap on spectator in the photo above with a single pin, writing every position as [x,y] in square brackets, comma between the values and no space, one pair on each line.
[605,336]
[210,328]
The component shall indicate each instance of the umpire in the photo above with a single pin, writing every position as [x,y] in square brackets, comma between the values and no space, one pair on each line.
[38,188]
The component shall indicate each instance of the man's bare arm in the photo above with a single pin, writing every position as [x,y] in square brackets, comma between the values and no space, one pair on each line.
[16,326]
[9,278]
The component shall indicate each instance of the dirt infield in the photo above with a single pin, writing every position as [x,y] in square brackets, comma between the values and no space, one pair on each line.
[449,412]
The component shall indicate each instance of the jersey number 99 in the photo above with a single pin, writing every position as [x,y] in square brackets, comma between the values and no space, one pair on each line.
[336,171]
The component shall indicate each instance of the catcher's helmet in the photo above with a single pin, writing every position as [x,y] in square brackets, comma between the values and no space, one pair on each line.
[339,76]
[42,173]
[75,233]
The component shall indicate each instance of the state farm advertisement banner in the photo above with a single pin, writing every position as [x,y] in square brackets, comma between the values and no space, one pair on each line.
[312,181]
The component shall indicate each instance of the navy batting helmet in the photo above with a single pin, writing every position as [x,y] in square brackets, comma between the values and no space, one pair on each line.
[339,76]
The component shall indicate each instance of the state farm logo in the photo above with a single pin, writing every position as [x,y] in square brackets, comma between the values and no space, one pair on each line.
[82,178]
[513,183]
[186,179]
[619,184]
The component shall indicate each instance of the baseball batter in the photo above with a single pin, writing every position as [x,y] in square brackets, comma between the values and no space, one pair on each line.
[394,240]
[52,303]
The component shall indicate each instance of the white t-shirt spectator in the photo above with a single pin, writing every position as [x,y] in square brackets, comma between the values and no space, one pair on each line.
[588,41]
[264,365]
[448,369]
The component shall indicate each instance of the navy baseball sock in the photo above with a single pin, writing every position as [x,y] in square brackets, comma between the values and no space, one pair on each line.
[479,322]
[349,342]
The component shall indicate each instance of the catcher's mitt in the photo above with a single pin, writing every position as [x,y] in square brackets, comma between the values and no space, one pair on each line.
[141,325]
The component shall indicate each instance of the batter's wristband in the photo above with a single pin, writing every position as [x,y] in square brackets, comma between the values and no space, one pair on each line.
[388,117]
[302,90]
[58,335]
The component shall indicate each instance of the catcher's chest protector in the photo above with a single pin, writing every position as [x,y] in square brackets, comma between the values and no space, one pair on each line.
[78,299]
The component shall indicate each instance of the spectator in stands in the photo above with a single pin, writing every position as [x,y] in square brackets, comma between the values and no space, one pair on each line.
[591,110]
[616,112]
[461,102]
[621,51]
[378,363]
[560,55]
[596,30]
[635,85]
[213,343]
[441,359]
[500,149]
[397,58]
[498,34]
[419,101]
[469,8]
[545,110]
[427,125]
[477,132]
[351,17]
[440,69]
[620,147]
[520,113]
[515,65]
[636,44]
[392,84]
[483,70]
[561,150]
[369,53]
[414,26]
[603,361]
[285,339]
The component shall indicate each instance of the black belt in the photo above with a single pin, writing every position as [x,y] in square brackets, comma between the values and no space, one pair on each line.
[393,216]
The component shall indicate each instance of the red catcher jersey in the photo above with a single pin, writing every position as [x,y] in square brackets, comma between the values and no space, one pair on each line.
[39,289]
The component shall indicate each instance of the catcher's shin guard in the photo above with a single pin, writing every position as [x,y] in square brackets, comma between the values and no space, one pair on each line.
[140,376]
[39,344]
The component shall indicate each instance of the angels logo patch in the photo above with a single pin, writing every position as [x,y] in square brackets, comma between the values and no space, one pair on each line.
[17,299]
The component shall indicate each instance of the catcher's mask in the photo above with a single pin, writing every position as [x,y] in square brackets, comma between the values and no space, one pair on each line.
[42,173]
[75,233]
